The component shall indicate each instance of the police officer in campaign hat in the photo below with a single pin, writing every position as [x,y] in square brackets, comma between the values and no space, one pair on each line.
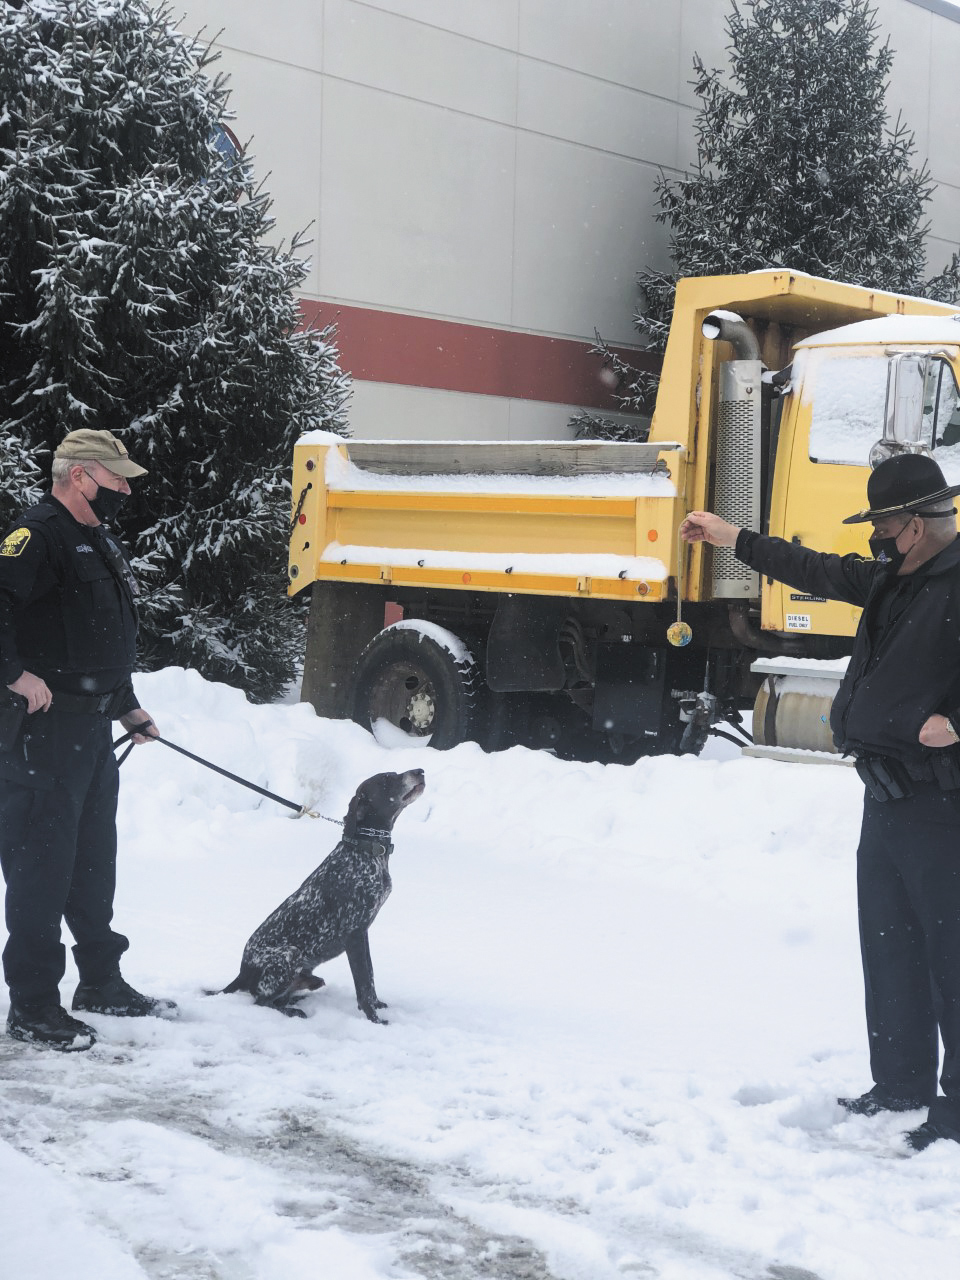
[898,712]
[68,628]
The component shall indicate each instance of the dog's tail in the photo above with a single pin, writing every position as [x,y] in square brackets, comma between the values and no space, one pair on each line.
[238,984]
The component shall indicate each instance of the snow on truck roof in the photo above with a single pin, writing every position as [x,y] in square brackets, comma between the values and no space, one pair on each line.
[942,331]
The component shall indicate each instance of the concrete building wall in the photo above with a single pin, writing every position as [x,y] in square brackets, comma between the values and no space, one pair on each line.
[925,35]
[480,180]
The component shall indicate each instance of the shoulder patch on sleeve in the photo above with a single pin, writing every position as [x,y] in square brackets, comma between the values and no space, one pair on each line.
[15,542]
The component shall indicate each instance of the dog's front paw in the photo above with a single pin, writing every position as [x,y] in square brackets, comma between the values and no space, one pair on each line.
[309,982]
[370,1011]
[291,1011]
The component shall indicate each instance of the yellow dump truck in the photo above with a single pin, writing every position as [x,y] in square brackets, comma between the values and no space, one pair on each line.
[511,591]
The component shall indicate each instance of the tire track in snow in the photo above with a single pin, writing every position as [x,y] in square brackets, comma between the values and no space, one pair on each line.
[326,1180]
[320,1179]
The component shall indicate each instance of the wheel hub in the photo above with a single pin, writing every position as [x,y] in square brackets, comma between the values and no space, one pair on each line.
[421,709]
[405,696]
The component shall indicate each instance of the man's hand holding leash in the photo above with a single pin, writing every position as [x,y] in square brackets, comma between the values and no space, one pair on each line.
[140,717]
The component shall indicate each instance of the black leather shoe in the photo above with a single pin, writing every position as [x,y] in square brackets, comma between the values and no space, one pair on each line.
[49,1025]
[872,1103]
[117,997]
[924,1135]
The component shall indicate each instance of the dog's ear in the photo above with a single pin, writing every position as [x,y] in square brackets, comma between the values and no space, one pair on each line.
[376,803]
[353,813]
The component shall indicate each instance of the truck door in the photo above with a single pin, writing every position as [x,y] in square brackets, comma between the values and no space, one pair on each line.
[836,424]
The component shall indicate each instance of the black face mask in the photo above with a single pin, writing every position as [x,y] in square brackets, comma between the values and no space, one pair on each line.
[886,552]
[105,503]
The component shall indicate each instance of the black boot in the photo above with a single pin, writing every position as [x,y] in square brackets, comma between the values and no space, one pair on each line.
[49,1024]
[925,1135]
[872,1103]
[117,997]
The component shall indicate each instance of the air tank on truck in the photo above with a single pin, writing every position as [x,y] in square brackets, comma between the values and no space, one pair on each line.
[529,592]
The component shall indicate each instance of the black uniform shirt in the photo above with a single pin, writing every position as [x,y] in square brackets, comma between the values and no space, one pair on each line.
[905,664]
[67,610]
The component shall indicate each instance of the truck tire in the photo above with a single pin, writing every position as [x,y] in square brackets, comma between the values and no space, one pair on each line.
[414,681]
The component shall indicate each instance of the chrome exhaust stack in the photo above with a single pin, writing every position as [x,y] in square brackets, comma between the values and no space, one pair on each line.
[727,326]
[736,494]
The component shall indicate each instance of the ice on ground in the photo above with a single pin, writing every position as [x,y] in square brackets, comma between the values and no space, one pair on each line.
[623,1001]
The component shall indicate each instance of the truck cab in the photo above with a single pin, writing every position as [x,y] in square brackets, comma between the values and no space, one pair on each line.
[858,394]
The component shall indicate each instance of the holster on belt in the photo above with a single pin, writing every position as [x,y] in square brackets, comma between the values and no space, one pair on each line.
[889,779]
[885,778]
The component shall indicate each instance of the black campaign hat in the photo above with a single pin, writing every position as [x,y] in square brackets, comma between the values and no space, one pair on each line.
[908,483]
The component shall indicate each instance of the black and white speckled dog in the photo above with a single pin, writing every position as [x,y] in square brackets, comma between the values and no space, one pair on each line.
[334,907]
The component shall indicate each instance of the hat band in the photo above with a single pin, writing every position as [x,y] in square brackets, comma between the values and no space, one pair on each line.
[908,507]
[882,512]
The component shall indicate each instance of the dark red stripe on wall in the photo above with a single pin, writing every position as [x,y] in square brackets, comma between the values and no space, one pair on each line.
[415,351]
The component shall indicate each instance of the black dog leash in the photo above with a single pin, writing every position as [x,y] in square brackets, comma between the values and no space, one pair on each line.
[300,810]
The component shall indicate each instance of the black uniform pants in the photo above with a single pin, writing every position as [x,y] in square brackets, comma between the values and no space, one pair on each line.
[58,851]
[908,881]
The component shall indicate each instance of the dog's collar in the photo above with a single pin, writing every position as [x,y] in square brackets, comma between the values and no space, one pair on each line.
[378,834]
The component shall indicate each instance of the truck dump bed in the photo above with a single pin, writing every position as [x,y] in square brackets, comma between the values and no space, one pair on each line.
[552,518]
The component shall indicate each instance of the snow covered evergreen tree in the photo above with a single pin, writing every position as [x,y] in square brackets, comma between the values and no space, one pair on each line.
[138,294]
[20,478]
[797,166]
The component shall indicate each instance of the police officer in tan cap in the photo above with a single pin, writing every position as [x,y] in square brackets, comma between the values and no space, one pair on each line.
[68,629]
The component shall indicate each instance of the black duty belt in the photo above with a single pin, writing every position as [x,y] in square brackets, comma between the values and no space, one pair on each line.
[923,772]
[91,704]
[889,779]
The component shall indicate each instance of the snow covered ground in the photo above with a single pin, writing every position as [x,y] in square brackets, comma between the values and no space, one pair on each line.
[622,1003]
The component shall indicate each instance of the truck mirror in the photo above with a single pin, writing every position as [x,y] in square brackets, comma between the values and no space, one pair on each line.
[903,418]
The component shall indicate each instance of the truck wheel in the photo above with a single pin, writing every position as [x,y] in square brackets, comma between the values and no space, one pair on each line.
[415,681]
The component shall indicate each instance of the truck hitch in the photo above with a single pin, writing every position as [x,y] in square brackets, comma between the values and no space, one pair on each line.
[700,714]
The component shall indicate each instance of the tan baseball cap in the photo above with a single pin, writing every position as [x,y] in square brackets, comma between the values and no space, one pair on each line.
[99,446]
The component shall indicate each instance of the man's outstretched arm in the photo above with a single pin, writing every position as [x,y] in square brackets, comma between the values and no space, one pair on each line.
[847,578]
